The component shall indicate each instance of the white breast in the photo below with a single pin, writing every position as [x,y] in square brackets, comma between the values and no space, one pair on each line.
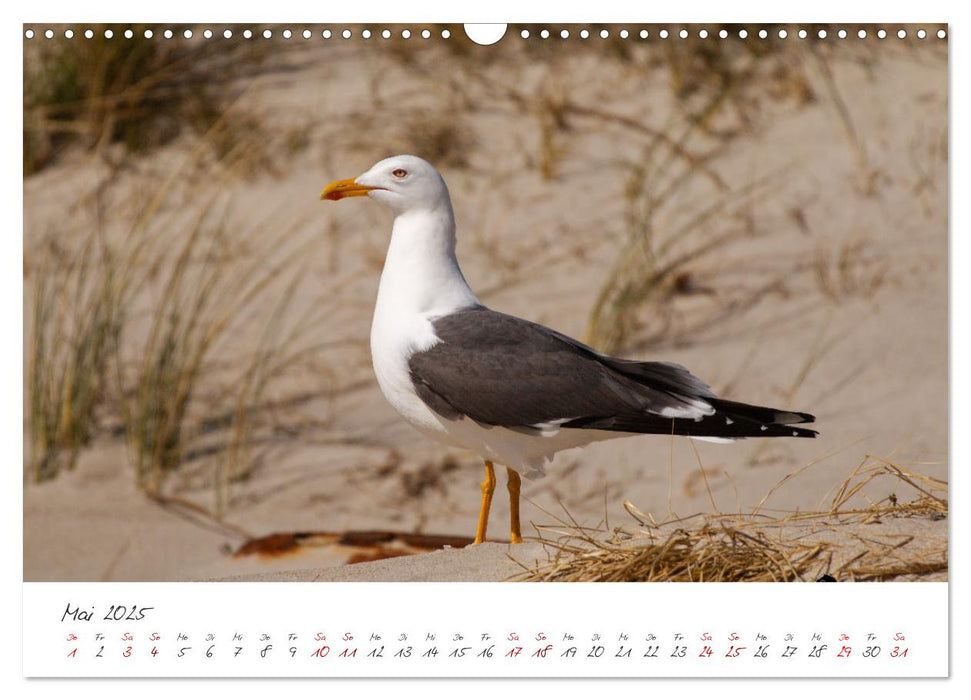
[394,338]
[420,281]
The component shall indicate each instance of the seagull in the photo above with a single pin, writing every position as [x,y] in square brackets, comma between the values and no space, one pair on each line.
[510,390]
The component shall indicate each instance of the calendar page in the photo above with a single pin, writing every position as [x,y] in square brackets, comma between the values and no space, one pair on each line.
[537,350]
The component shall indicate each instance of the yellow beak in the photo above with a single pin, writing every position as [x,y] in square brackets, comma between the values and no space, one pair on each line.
[344,188]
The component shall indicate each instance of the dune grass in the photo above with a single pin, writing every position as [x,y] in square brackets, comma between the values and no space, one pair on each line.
[202,299]
[138,92]
[132,334]
[74,326]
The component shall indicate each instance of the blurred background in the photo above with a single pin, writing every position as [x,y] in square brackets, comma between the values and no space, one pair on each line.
[769,212]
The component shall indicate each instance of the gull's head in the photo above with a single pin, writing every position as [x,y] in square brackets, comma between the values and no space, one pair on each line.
[404,183]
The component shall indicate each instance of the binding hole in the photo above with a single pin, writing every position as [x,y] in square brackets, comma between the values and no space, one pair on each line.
[485,34]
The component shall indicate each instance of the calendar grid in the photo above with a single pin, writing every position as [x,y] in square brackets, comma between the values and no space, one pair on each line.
[503,630]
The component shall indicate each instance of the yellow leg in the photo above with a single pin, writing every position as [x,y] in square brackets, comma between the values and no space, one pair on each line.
[488,487]
[513,484]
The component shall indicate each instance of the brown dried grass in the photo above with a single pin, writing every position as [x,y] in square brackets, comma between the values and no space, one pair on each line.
[856,538]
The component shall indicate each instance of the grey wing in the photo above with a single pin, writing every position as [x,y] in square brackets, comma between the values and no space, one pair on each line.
[501,370]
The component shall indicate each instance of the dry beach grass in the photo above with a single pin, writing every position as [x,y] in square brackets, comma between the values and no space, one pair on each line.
[757,546]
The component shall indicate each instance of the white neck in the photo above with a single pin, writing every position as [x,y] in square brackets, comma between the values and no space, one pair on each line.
[421,273]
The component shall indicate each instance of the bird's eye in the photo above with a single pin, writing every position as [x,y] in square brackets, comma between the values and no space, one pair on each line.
[399,172]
